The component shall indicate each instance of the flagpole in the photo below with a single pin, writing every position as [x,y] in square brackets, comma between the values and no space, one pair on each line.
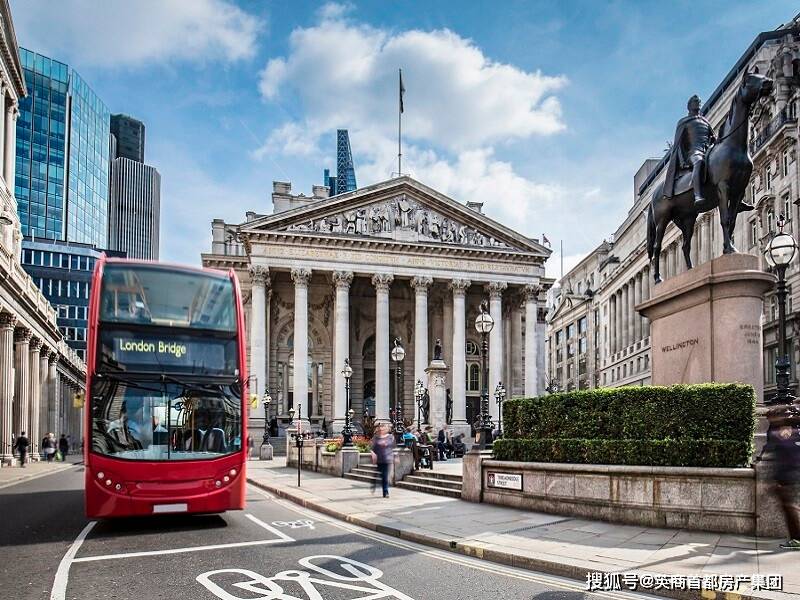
[400,125]
[562,259]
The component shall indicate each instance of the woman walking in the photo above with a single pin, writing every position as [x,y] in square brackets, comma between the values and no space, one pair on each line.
[382,455]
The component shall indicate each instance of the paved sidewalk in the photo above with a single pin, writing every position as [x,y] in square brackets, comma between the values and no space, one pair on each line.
[11,475]
[537,541]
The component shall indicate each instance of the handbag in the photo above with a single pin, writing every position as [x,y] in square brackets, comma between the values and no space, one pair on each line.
[374,458]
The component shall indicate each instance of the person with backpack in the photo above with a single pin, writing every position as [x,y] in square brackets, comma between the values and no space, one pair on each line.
[21,446]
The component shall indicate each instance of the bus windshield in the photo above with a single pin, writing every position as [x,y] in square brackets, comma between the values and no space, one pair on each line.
[150,295]
[141,420]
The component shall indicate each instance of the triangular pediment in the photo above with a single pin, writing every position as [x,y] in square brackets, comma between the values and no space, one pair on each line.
[401,210]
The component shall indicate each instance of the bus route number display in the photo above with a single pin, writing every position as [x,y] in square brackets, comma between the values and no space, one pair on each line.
[505,481]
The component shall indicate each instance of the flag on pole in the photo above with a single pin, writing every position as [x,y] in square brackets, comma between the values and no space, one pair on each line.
[402,90]
[545,241]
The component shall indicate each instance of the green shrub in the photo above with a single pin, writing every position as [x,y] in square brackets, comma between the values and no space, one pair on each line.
[676,453]
[682,425]
[709,411]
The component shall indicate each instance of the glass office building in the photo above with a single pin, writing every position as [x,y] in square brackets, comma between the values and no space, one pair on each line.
[62,155]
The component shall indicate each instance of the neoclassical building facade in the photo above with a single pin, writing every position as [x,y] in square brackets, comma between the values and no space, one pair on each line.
[602,290]
[39,373]
[332,278]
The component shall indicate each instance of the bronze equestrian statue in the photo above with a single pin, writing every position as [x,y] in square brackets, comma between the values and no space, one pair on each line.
[701,176]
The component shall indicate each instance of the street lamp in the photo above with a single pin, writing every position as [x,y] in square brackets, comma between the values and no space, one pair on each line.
[484,324]
[419,396]
[398,354]
[781,249]
[347,431]
[500,397]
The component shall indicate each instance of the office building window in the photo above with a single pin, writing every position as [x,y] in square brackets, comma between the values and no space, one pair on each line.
[785,163]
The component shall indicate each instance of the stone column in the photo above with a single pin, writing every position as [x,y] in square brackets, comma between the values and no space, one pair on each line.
[341,345]
[22,340]
[459,288]
[515,387]
[495,289]
[382,282]
[10,145]
[612,326]
[421,285]
[447,338]
[7,323]
[631,312]
[34,395]
[44,393]
[3,150]
[52,392]
[531,294]
[301,277]
[259,276]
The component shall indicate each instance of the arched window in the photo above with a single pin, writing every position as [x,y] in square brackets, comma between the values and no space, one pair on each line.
[473,376]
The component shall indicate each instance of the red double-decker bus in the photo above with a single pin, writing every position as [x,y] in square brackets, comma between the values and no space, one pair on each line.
[165,391]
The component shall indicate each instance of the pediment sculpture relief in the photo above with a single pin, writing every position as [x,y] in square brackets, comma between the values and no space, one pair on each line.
[400,217]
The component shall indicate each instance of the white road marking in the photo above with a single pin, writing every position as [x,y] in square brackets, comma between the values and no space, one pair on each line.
[59,589]
[474,563]
[177,550]
[296,524]
[269,528]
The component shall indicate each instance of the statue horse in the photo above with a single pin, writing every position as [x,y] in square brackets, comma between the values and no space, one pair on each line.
[728,169]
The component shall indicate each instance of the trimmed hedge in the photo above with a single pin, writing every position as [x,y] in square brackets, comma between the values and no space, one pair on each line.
[683,425]
[668,453]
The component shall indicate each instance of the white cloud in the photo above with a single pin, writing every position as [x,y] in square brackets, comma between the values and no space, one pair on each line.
[345,74]
[117,33]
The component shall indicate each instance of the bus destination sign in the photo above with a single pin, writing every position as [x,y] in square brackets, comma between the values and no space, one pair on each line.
[183,353]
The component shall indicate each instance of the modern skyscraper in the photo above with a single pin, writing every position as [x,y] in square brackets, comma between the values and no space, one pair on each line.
[129,134]
[345,178]
[135,200]
[345,171]
[62,155]
[62,165]
[135,208]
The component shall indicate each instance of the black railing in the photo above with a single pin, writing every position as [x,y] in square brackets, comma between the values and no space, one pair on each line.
[781,119]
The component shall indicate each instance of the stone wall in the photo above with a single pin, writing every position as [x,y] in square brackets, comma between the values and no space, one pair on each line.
[723,500]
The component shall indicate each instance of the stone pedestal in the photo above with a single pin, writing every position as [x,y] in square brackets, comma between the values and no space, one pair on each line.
[706,324]
[265,452]
[437,389]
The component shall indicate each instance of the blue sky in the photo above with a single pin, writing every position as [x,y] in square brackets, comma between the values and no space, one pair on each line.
[542,110]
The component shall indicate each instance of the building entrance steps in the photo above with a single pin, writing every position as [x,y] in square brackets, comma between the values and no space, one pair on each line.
[536,541]
[367,473]
[441,484]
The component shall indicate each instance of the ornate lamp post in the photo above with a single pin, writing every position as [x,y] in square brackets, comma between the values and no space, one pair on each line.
[484,324]
[500,397]
[398,354]
[299,438]
[347,431]
[419,396]
[780,252]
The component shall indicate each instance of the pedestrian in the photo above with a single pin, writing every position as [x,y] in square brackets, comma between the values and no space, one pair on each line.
[21,446]
[250,445]
[382,455]
[441,444]
[63,446]
[783,447]
[49,447]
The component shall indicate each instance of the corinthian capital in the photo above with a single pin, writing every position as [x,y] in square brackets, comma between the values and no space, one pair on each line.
[382,281]
[259,275]
[496,289]
[7,320]
[421,284]
[22,334]
[531,292]
[301,276]
[36,344]
[460,286]
[342,279]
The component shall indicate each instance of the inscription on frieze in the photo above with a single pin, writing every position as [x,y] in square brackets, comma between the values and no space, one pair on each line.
[751,333]
[680,345]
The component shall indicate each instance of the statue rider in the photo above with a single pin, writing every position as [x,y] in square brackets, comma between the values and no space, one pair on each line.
[694,135]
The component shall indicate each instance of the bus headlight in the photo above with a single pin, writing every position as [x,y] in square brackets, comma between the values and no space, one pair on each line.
[226,479]
[218,483]
[108,482]
[233,472]
[101,475]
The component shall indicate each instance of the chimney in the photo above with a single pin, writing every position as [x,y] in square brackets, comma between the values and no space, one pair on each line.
[476,206]
[320,191]
[281,187]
